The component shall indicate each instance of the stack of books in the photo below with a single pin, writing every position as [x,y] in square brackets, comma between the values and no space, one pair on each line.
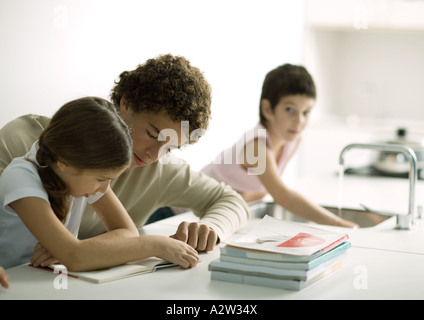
[280,254]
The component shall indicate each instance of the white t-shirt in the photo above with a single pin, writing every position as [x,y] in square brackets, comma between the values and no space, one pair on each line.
[21,180]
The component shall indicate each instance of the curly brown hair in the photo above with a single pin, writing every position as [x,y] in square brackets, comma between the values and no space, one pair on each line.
[167,84]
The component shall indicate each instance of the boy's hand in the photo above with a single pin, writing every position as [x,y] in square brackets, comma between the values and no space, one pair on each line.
[198,236]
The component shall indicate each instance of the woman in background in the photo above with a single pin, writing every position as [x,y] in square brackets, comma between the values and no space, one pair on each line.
[287,99]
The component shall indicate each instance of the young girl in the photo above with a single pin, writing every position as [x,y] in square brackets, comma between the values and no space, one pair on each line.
[288,96]
[43,195]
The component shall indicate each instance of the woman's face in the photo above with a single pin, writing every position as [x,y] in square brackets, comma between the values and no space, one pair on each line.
[290,116]
[153,135]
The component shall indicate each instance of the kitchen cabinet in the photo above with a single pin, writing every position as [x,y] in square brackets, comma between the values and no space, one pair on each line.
[366,58]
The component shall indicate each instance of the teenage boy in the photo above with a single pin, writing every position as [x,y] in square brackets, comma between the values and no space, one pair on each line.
[166,104]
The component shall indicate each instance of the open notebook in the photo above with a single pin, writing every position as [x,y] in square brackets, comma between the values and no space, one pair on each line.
[113,273]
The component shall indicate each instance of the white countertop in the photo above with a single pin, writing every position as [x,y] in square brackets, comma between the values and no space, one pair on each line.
[383,263]
[378,193]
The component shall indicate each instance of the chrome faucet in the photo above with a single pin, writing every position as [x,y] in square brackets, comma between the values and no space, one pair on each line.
[403,221]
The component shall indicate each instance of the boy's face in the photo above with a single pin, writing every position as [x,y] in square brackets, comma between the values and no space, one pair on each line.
[290,116]
[153,135]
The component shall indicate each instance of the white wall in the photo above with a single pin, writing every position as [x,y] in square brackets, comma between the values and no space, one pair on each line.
[55,51]
[367,58]
[374,74]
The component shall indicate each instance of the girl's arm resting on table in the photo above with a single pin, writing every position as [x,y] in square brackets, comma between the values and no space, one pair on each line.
[108,207]
[119,245]
[114,216]
[292,200]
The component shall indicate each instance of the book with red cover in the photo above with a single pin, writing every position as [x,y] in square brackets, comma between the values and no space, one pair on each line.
[279,240]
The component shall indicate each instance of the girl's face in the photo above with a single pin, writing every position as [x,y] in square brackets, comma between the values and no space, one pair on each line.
[153,135]
[86,182]
[289,117]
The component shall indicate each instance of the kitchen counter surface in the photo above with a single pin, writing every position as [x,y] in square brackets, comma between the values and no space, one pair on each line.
[383,263]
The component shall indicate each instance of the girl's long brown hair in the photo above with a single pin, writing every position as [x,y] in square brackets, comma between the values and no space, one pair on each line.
[86,133]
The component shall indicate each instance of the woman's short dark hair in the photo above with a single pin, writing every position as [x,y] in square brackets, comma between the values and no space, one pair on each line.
[286,80]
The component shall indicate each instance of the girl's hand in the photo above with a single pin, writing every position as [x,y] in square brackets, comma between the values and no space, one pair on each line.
[177,252]
[42,257]
[346,223]
[4,278]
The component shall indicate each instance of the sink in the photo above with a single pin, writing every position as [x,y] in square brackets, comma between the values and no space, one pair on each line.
[363,218]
